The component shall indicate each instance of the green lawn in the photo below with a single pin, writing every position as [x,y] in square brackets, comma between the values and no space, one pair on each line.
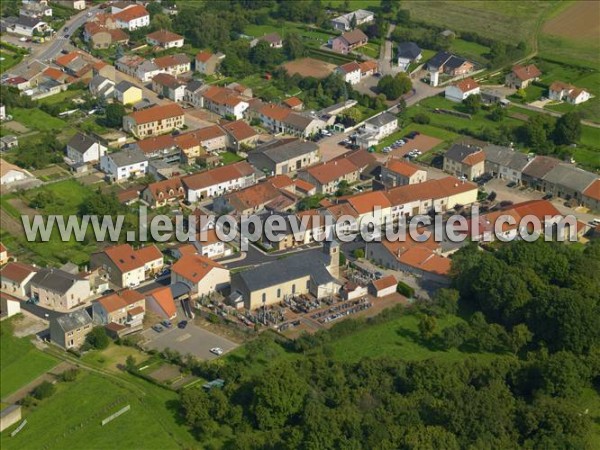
[398,338]
[230,158]
[310,37]
[370,49]
[64,96]
[72,417]
[470,50]
[36,119]
[21,362]
[9,59]
[532,92]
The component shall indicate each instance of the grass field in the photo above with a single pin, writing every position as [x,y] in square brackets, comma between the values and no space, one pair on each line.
[21,362]
[470,50]
[71,417]
[63,96]
[36,119]
[9,59]
[230,157]
[310,37]
[397,339]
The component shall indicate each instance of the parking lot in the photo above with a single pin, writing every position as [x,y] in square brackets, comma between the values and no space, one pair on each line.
[192,339]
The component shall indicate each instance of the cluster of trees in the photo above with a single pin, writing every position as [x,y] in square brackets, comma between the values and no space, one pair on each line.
[39,154]
[544,133]
[394,86]
[534,306]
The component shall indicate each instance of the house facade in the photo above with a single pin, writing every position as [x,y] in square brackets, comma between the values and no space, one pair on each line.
[127,267]
[201,274]
[464,161]
[349,41]
[84,149]
[284,156]
[125,164]
[158,119]
[218,181]
[522,76]
[327,176]
[57,289]
[70,330]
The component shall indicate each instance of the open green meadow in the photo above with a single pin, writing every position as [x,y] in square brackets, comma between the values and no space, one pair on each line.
[36,119]
[470,50]
[20,361]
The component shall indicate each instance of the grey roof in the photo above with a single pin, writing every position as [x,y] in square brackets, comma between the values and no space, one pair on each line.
[97,81]
[506,156]
[313,263]
[299,121]
[194,85]
[282,150]
[127,157]
[74,320]
[28,21]
[147,66]
[382,119]
[54,280]
[178,289]
[360,14]
[10,408]
[408,50]
[444,58]
[124,85]
[571,177]
[81,143]
[458,152]
[540,166]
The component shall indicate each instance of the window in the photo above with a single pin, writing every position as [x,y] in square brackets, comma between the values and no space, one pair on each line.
[278,292]
[264,298]
[293,288]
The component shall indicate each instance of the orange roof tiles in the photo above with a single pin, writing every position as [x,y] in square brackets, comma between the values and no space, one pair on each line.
[127,259]
[217,175]
[557,86]
[157,143]
[275,112]
[343,209]
[204,56]
[385,282]
[157,113]
[240,130]
[168,189]
[350,67]
[293,102]
[430,189]
[194,267]
[254,196]
[171,60]
[164,36]
[367,66]
[16,271]
[593,190]
[331,171]
[402,167]
[366,203]
[466,85]
[131,13]
[222,96]
[120,300]
[424,259]
[303,185]
[164,298]
[524,73]
[280,181]
[474,158]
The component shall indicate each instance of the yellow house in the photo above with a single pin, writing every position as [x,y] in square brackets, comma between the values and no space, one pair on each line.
[127,93]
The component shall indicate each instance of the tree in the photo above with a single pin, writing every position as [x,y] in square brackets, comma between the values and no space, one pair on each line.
[343,188]
[388,6]
[70,374]
[498,113]
[130,364]
[427,325]
[421,118]
[114,115]
[351,116]
[520,336]
[447,300]
[472,103]
[404,289]
[358,253]
[161,22]
[568,128]
[101,204]
[43,390]
[97,338]
[293,47]
[394,86]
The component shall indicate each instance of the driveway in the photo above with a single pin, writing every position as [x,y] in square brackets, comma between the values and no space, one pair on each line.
[193,340]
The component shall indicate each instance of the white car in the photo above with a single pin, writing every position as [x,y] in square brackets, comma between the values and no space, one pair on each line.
[216,351]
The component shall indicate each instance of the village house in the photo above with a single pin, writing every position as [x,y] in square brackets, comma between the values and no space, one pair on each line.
[273,39]
[352,19]
[70,330]
[327,176]
[349,41]
[383,287]
[522,76]
[313,272]
[240,135]
[193,93]
[78,5]
[83,149]
[161,302]
[9,141]
[408,53]
[163,192]
[169,87]
[158,119]
[398,172]
[165,39]
[126,267]
[122,311]
[124,164]
[77,64]
[158,147]
[57,289]
[567,181]
[420,259]
[505,163]
[534,172]
[197,143]
[444,62]
[459,91]
[28,26]
[127,93]
[466,161]
[138,67]
[209,245]
[37,10]
[15,278]
[255,199]
[282,156]
[560,91]
[218,181]
[591,196]
[225,102]
[203,275]
[294,103]
[100,37]
[132,18]
[9,173]
[282,120]
[102,87]
[368,68]
[207,63]
[350,72]
[174,64]
[372,207]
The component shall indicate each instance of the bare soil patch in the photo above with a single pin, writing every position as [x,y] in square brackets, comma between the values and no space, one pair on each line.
[578,21]
[309,67]
[17,127]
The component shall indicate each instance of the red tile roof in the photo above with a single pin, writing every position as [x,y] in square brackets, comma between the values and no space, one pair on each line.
[368,66]
[280,181]
[467,85]
[303,186]
[127,259]
[164,36]
[474,158]
[120,300]
[16,271]
[366,203]
[385,282]
[217,175]
[164,299]
[293,102]
[204,56]
[430,189]
[194,267]
[157,113]
[131,13]
[593,190]
[168,189]
[157,143]
[350,67]
[333,170]
[240,130]
[275,112]
[165,79]
[171,60]
[402,167]
[524,73]
[222,96]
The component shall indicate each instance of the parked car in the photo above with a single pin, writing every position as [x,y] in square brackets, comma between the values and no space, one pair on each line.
[511,184]
[157,328]
[166,323]
[182,324]
[216,351]
[547,196]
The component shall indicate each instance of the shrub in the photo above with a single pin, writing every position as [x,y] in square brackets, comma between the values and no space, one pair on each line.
[421,118]
[69,375]
[359,253]
[405,289]
[44,390]
[98,338]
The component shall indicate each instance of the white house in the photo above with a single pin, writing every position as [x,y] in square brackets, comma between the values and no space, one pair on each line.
[124,164]
[201,274]
[344,22]
[408,52]
[382,125]
[165,39]
[9,173]
[132,18]
[560,91]
[350,72]
[102,87]
[84,149]
[464,88]
[26,26]
[218,181]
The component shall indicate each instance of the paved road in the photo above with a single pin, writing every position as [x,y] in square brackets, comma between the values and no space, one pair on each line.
[41,312]
[385,55]
[51,49]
